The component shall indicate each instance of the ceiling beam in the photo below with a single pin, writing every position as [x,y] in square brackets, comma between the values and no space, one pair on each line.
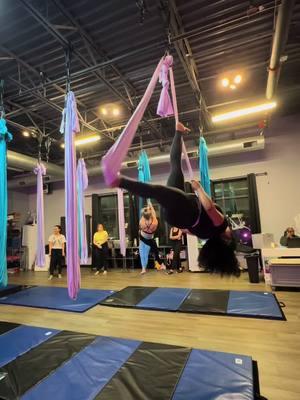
[66,44]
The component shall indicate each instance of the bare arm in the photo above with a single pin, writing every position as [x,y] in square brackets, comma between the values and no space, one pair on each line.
[216,217]
[64,249]
[50,248]
[151,208]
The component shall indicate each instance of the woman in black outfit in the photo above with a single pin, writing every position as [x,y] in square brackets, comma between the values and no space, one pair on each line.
[194,213]
[176,238]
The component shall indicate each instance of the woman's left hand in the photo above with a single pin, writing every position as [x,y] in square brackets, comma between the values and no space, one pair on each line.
[195,185]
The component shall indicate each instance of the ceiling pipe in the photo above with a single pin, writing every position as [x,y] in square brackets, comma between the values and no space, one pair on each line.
[26,163]
[214,150]
[279,41]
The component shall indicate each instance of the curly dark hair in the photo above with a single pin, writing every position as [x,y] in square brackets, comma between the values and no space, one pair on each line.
[218,256]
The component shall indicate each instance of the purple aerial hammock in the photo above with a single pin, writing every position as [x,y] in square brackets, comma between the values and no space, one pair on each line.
[40,171]
[111,162]
[69,127]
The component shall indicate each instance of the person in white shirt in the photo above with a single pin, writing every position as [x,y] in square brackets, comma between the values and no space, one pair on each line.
[57,243]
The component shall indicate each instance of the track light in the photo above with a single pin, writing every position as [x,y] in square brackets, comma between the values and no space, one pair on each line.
[243,112]
[26,134]
[237,79]
[84,140]
[225,82]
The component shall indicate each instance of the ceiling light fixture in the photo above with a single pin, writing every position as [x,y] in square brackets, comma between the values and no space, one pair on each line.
[104,111]
[232,87]
[225,82]
[237,79]
[26,134]
[243,112]
[84,140]
[116,112]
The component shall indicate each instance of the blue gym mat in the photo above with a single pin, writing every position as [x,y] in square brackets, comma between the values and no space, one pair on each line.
[85,375]
[259,304]
[199,301]
[20,340]
[164,299]
[105,368]
[215,375]
[56,298]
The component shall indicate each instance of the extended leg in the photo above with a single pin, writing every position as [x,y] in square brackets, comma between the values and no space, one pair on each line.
[144,254]
[180,209]
[176,178]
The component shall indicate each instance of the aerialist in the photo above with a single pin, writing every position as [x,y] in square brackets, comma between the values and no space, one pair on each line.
[194,213]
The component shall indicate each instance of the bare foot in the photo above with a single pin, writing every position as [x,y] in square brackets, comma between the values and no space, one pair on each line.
[181,128]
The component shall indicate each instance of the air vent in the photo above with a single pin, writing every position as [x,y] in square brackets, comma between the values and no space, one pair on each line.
[247,145]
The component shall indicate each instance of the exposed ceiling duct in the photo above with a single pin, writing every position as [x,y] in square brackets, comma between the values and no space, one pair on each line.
[279,41]
[21,162]
[214,150]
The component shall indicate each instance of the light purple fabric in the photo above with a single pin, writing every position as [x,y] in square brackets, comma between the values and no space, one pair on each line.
[70,126]
[174,99]
[111,162]
[121,217]
[82,184]
[40,170]
[164,107]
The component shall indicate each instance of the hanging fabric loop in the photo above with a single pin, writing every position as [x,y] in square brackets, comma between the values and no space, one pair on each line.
[203,166]
[5,137]
[82,185]
[165,108]
[40,171]
[69,127]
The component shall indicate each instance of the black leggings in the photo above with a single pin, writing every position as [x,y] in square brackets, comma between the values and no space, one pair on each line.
[101,256]
[56,261]
[153,248]
[180,209]
[176,263]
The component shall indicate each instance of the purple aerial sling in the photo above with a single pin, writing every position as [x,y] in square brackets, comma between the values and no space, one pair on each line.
[40,170]
[70,126]
[174,99]
[121,218]
[82,184]
[111,162]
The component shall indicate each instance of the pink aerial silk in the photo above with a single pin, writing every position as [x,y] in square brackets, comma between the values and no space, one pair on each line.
[111,162]
[185,155]
[121,218]
[70,126]
[40,170]
[82,182]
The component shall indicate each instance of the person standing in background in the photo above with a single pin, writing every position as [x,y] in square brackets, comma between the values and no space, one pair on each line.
[176,238]
[57,244]
[100,242]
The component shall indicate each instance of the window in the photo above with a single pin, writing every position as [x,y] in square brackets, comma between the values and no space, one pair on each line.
[108,211]
[232,196]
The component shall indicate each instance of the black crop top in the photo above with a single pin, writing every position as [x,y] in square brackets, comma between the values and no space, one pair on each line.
[205,229]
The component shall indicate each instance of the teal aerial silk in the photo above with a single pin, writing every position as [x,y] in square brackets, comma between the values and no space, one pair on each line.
[203,166]
[5,137]
[144,174]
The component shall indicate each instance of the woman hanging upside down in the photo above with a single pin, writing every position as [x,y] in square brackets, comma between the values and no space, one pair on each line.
[194,213]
